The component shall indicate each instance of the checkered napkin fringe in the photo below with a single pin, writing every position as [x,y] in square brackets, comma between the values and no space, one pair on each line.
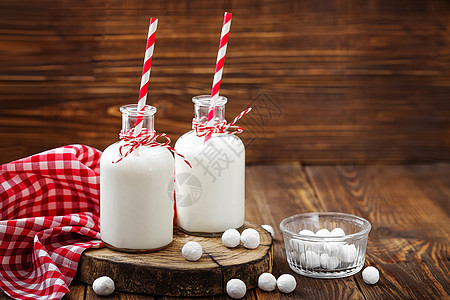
[49,213]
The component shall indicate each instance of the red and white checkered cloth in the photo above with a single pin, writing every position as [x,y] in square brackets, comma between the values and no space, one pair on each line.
[49,213]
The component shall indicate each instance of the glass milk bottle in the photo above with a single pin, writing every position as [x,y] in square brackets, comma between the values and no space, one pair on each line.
[136,205]
[210,196]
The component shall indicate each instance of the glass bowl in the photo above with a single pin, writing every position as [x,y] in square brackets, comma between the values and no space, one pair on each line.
[327,255]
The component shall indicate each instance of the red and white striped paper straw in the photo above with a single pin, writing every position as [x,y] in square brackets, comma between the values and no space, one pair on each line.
[146,74]
[219,65]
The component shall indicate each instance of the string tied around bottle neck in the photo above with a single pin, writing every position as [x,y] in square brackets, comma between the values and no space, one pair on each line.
[147,138]
[205,129]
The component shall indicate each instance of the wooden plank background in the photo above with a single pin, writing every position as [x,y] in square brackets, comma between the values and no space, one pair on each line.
[340,81]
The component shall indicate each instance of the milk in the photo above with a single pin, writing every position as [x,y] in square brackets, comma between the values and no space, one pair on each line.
[210,195]
[136,205]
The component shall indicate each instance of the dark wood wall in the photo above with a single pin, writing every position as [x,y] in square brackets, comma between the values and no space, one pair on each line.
[343,81]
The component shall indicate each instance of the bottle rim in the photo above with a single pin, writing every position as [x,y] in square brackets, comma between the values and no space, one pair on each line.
[203,100]
[131,110]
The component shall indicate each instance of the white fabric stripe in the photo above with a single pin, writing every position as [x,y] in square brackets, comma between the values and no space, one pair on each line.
[145,78]
[222,52]
[225,28]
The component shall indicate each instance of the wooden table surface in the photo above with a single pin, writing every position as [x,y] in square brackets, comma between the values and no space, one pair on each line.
[407,205]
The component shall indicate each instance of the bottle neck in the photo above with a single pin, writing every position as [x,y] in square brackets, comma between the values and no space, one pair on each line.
[201,108]
[130,116]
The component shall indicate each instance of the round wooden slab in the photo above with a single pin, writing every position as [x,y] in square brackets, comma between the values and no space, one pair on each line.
[168,273]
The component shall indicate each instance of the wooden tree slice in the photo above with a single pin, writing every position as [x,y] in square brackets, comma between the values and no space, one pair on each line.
[168,273]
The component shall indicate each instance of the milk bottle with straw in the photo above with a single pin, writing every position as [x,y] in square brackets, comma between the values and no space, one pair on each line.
[136,209]
[136,212]
[210,196]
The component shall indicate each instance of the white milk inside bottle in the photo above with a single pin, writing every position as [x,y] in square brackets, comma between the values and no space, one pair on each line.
[136,206]
[210,196]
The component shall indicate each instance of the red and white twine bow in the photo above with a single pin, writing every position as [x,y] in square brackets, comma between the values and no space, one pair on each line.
[203,128]
[144,138]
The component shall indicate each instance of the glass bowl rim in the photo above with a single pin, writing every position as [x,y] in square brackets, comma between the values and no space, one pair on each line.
[365,230]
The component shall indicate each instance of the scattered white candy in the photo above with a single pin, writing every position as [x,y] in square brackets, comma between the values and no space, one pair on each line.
[329,262]
[286,283]
[103,286]
[306,232]
[250,238]
[310,259]
[267,282]
[269,229]
[370,275]
[236,288]
[231,238]
[323,232]
[192,251]
[337,232]
[348,253]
